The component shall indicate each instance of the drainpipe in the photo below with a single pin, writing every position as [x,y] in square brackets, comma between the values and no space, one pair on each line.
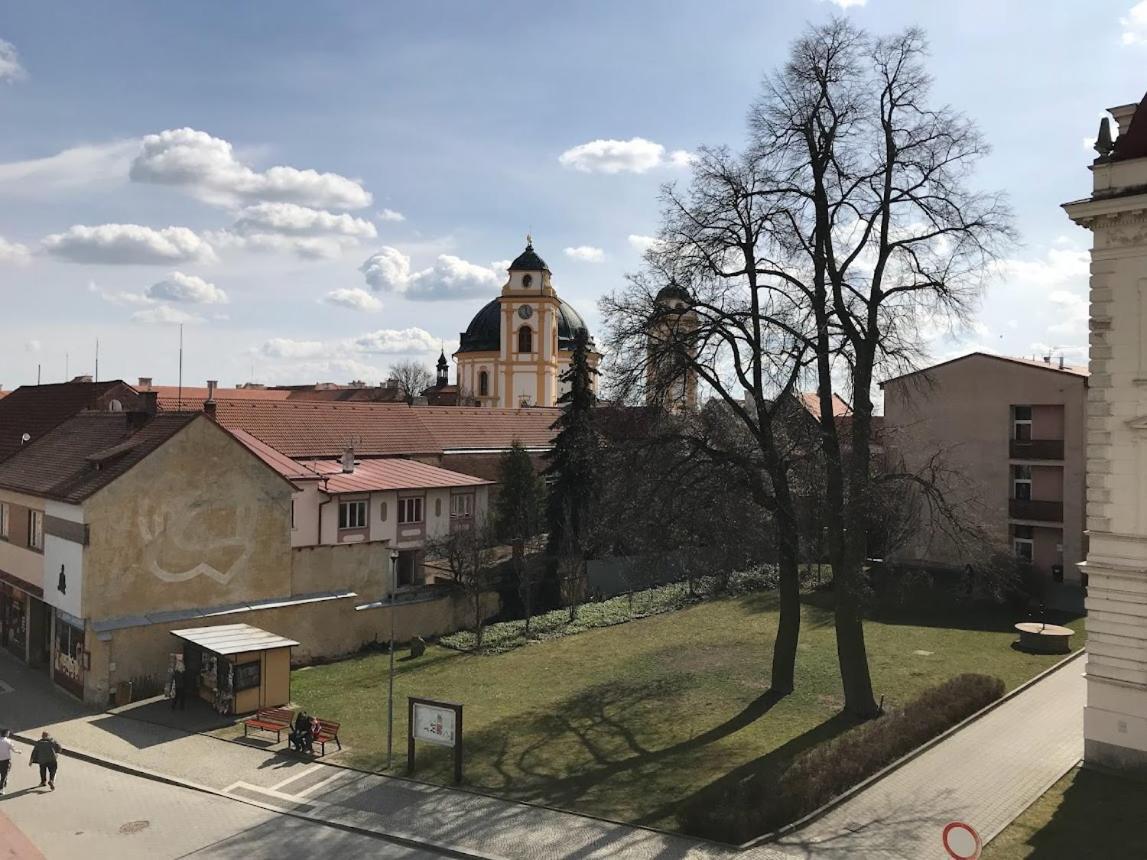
[322,505]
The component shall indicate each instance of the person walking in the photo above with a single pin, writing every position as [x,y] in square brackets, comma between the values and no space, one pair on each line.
[44,754]
[6,751]
[179,691]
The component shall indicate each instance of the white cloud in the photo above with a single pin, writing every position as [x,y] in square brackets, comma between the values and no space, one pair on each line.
[32,346]
[642,243]
[389,271]
[188,289]
[92,166]
[1073,313]
[585,253]
[501,265]
[13,252]
[348,352]
[1135,24]
[389,215]
[165,314]
[207,167]
[121,297]
[10,67]
[355,298]
[636,155]
[290,228]
[128,244]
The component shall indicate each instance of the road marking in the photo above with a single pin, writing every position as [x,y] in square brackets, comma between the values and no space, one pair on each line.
[309,770]
[320,784]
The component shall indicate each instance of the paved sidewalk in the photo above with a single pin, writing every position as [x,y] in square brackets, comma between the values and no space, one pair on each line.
[14,845]
[986,774]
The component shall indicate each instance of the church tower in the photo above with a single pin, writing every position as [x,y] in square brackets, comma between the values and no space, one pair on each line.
[670,380]
[443,371]
[1115,718]
[516,347]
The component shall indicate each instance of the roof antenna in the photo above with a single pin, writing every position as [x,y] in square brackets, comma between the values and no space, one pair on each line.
[97,377]
[179,397]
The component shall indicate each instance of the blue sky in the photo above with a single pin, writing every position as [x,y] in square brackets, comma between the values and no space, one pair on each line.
[243,167]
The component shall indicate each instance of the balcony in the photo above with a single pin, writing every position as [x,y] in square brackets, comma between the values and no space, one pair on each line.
[1036,449]
[1034,509]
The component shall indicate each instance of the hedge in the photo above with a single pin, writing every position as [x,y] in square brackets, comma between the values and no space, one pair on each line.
[751,807]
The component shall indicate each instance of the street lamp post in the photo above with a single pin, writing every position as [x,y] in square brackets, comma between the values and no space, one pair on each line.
[390,684]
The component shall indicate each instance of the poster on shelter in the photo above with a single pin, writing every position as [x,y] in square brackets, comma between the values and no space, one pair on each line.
[433,724]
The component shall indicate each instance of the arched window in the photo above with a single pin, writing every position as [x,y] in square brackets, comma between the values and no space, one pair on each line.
[483,383]
[525,339]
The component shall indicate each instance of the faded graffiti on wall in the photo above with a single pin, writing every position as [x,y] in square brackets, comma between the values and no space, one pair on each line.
[184,539]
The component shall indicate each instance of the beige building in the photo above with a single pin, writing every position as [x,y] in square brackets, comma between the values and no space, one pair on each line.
[1009,437]
[1115,718]
[670,380]
[118,527]
[516,348]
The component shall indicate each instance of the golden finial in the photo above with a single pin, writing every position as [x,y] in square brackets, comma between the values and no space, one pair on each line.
[529,240]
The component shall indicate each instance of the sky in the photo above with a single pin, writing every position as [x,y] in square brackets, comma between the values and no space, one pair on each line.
[317,191]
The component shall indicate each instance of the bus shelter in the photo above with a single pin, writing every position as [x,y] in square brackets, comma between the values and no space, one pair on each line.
[237,668]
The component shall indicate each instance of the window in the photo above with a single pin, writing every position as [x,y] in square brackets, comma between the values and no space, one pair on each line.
[462,505]
[410,510]
[36,529]
[437,507]
[382,512]
[1022,423]
[483,383]
[1022,483]
[4,521]
[292,513]
[525,339]
[352,515]
[1023,541]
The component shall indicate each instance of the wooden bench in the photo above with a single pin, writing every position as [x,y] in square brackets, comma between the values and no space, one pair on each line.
[328,731]
[277,720]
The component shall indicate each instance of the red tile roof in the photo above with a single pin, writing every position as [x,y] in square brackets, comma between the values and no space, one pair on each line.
[85,453]
[811,401]
[389,474]
[36,409]
[191,398]
[281,463]
[315,429]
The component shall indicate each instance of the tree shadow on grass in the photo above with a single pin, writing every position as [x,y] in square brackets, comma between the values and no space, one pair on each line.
[606,732]
[735,794]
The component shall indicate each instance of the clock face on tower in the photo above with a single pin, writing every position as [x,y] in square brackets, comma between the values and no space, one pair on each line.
[527,280]
[525,311]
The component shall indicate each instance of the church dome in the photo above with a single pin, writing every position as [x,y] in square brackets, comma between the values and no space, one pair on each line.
[529,260]
[674,292]
[485,331]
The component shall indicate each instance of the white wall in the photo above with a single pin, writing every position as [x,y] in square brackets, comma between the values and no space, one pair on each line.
[68,555]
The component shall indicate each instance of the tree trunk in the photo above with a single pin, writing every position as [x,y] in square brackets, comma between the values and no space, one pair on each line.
[478,617]
[851,652]
[789,619]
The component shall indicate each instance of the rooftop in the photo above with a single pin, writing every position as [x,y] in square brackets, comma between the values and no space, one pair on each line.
[36,409]
[85,453]
[1053,366]
[389,474]
[233,638]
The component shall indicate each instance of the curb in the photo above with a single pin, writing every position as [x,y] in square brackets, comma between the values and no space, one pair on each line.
[144,773]
[840,799]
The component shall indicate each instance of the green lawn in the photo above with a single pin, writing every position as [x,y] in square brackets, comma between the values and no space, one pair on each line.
[1085,814]
[627,722]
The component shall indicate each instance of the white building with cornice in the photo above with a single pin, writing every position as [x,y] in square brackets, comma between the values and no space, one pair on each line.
[1115,717]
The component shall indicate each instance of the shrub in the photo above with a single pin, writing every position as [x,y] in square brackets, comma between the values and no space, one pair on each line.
[750,807]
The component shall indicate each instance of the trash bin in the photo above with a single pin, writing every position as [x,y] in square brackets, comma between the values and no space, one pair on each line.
[123,693]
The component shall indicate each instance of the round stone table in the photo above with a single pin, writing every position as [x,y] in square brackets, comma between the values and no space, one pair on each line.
[1044,638]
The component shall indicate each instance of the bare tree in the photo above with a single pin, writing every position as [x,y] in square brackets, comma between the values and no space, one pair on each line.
[412,378]
[876,234]
[469,556]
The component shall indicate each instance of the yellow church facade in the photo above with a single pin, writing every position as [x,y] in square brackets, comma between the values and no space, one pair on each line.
[517,347]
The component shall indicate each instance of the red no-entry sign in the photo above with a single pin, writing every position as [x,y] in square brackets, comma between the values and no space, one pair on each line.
[961,841]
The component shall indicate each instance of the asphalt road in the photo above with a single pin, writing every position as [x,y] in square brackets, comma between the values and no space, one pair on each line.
[101,813]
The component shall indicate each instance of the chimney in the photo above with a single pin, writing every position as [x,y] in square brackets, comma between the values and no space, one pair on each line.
[84,378]
[149,401]
[1061,362]
[144,383]
[211,385]
[209,403]
[348,460]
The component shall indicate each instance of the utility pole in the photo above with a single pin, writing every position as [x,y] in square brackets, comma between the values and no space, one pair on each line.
[390,683]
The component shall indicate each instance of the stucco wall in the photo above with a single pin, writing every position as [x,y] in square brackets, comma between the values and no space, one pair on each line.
[324,630]
[963,409]
[361,567]
[15,556]
[199,522]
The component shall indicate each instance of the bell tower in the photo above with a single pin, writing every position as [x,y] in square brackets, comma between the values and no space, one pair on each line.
[670,380]
[1115,717]
[530,310]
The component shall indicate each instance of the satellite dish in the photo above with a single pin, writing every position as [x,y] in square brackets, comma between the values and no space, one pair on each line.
[27,437]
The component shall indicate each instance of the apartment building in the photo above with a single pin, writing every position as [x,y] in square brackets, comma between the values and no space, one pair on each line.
[1008,435]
